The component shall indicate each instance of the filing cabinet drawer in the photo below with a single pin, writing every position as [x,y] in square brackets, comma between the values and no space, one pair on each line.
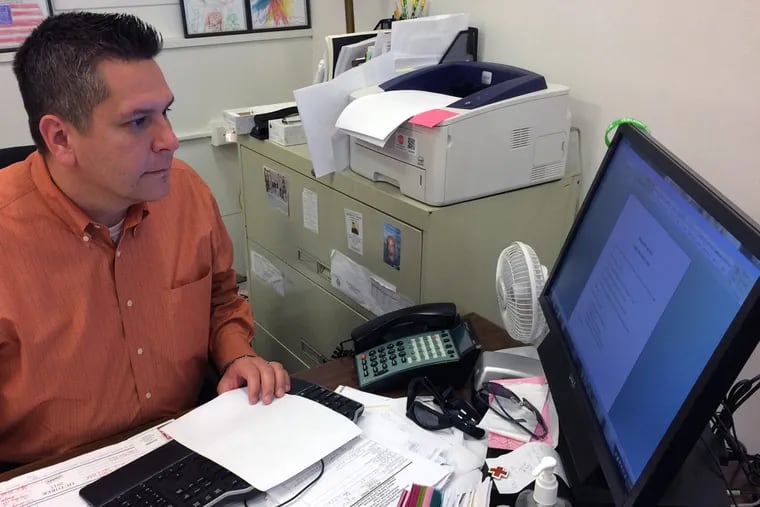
[306,320]
[270,347]
[276,220]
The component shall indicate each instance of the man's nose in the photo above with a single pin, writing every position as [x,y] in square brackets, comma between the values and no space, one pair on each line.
[165,137]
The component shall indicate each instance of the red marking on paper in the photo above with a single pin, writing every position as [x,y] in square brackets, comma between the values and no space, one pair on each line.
[498,472]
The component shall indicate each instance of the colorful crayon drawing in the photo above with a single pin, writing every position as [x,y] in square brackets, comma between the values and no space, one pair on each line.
[214,16]
[268,14]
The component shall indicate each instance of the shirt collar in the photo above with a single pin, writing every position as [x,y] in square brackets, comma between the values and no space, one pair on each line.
[65,208]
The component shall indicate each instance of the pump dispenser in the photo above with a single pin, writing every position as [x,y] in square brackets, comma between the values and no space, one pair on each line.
[544,492]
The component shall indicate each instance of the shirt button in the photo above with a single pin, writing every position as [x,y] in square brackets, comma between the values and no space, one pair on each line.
[118,253]
[139,351]
[129,303]
[85,238]
[148,395]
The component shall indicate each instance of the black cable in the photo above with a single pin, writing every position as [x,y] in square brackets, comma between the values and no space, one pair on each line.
[315,479]
[725,429]
[342,352]
[720,471]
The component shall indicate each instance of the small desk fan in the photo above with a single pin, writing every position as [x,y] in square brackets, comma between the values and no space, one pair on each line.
[520,278]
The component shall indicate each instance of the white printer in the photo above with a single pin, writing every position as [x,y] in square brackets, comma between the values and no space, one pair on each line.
[510,131]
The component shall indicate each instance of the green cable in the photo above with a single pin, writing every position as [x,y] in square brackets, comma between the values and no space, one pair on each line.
[615,124]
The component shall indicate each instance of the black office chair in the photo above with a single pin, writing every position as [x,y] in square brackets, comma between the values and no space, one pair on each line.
[14,154]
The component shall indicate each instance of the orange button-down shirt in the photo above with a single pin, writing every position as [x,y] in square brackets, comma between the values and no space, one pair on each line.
[96,338]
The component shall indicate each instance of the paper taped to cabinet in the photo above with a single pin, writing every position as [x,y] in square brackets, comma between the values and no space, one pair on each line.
[267,272]
[366,288]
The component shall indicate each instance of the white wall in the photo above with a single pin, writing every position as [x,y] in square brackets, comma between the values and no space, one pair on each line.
[687,68]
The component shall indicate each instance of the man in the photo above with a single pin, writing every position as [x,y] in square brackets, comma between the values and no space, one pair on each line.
[117,285]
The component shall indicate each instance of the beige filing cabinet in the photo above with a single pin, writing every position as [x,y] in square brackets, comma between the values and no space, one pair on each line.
[447,253]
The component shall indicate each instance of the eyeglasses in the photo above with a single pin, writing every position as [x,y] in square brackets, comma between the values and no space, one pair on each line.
[448,411]
[505,401]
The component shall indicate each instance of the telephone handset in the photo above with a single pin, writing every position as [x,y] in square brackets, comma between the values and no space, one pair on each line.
[428,339]
[407,321]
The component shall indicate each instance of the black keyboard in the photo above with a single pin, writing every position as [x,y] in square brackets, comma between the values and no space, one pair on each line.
[341,404]
[173,475]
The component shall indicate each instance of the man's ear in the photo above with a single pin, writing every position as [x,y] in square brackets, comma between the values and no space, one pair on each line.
[56,132]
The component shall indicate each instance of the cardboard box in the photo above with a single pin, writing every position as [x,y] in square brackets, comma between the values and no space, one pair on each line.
[286,134]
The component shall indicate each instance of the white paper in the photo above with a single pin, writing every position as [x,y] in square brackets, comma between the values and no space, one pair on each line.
[375,117]
[362,472]
[320,105]
[354,230]
[310,203]
[263,444]
[535,393]
[60,484]
[386,296]
[361,285]
[520,464]
[268,272]
[426,39]
[382,44]
[369,400]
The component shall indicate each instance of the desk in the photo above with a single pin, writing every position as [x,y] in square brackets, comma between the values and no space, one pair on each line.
[331,374]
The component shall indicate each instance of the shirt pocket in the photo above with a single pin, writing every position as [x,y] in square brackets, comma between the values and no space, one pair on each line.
[188,313]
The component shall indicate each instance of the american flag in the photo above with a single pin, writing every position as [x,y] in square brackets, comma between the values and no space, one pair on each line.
[17,20]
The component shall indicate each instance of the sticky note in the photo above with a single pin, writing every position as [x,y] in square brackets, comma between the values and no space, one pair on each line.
[432,118]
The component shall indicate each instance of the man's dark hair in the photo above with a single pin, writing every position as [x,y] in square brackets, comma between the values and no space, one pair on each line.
[56,67]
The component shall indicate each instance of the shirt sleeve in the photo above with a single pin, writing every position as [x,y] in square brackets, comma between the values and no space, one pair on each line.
[231,317]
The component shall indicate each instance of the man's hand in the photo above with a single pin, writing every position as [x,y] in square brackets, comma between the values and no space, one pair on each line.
[263,378]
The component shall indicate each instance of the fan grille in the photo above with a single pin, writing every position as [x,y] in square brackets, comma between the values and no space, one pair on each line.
[520,279]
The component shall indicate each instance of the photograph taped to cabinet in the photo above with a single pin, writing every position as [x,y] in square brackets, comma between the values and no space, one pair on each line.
[391,245]
[277,190]
[354,231]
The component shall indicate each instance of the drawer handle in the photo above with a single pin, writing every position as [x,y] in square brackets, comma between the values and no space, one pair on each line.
[316,266]
[313,353]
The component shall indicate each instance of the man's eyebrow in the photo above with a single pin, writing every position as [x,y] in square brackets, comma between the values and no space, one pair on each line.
[148,110]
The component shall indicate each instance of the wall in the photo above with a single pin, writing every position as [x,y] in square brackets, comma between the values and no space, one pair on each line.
[687,68]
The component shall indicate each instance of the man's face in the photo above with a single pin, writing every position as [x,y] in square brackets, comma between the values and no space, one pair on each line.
[391,247]
[126,152]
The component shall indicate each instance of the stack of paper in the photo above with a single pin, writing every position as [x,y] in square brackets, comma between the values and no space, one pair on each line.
[423,41]
[373,118]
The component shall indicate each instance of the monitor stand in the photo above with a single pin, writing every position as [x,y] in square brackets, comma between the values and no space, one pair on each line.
[697,484]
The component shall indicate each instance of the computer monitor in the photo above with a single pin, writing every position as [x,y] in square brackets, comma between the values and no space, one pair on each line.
[653,308]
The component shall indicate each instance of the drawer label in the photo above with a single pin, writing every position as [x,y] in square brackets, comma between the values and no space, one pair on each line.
[310,210]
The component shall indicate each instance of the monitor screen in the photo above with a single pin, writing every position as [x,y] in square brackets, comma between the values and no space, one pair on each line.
[643,296]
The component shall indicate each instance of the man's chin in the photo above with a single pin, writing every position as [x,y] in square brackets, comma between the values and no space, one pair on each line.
[155,190]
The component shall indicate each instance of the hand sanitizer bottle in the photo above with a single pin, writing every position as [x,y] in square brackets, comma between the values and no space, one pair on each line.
[544,492]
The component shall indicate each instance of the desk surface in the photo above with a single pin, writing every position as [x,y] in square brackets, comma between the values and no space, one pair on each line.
[331,375]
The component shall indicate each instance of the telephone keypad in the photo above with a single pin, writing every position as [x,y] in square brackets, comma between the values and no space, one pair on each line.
[405,354]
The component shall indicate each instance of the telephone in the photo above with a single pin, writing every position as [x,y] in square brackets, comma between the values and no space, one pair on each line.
[428,339]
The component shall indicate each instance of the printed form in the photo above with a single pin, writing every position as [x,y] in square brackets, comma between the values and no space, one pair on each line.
[60,484]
